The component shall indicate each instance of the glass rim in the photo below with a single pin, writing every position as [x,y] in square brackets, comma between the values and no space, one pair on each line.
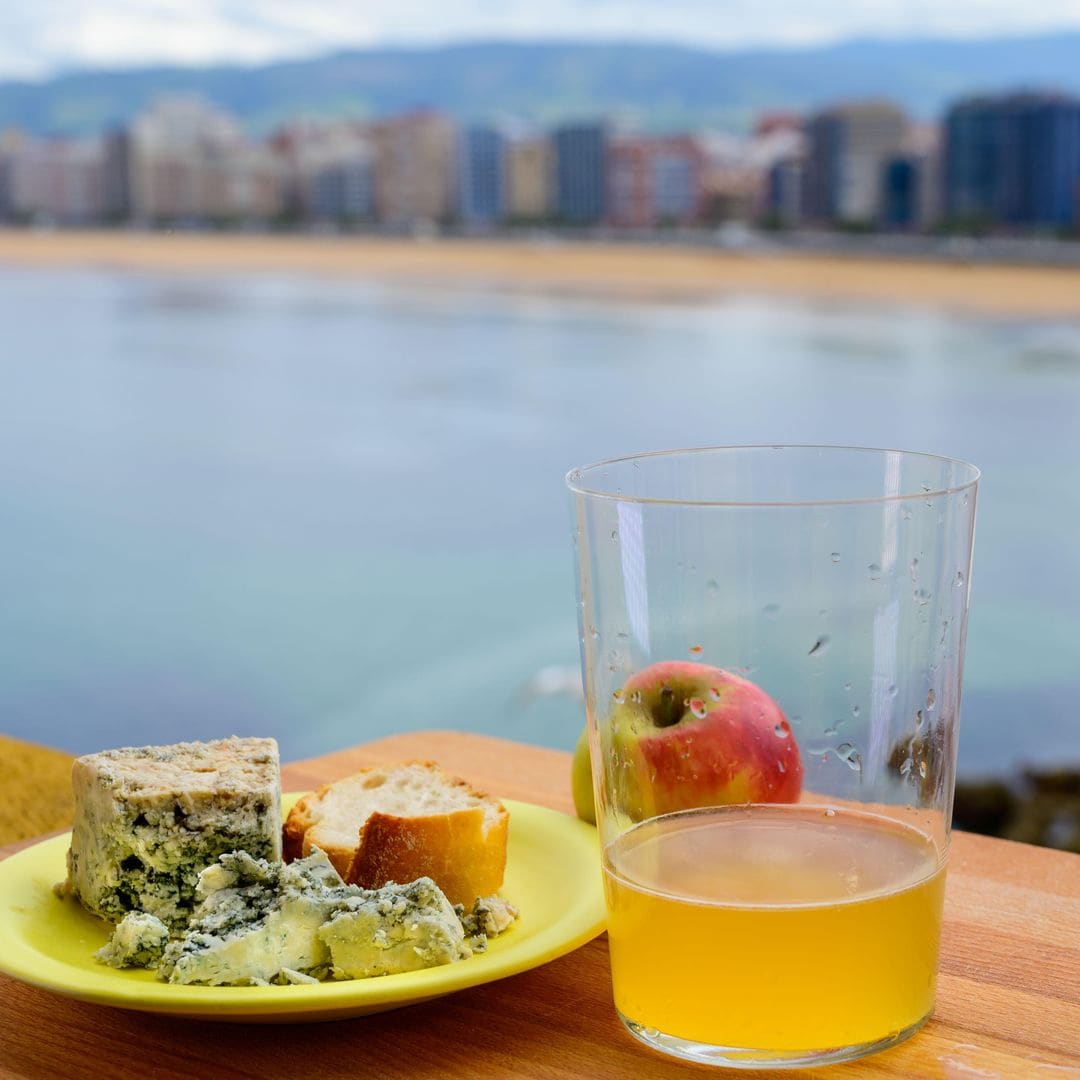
[575,478]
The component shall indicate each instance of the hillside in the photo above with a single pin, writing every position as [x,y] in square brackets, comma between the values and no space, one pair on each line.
[656,86]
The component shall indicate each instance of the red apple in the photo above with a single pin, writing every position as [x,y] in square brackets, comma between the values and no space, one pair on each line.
[685,735]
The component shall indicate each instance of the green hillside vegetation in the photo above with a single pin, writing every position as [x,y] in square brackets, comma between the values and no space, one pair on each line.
[654,86]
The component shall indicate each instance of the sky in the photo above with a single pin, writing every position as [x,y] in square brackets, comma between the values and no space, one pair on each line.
[41,37]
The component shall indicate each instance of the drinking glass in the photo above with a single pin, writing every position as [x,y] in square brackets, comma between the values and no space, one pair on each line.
[772,642]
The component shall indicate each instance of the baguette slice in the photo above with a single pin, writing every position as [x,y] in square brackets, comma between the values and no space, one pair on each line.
[402,822]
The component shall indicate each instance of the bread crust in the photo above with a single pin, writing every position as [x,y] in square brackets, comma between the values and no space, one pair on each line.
[463,849]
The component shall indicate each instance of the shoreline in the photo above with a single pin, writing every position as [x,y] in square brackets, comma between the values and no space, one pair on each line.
[614,270]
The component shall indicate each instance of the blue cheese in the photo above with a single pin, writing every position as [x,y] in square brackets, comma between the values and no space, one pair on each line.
[393,929]
[149,819]
[489,917]
[138,941]
[257,922]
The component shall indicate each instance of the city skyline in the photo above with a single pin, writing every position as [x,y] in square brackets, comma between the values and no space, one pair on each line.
[861,165]
[60,35]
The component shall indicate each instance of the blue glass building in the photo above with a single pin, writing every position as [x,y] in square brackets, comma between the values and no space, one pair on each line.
[580,180]
[481,175]
[1013,160]
[900,193]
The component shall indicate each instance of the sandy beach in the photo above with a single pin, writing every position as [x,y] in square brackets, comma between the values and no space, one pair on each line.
[629,270]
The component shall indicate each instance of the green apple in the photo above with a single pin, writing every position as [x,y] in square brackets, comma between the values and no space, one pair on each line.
[581,780]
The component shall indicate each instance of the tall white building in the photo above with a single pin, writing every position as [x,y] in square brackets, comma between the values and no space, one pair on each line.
[189,161]
[848,147]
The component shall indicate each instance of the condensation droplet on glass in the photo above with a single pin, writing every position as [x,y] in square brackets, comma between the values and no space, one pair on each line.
[593,633]
[931,698]
[613,657]
[781,730]
[905,514]
[770,611]
[875,571]
[835,556]
[820,647]
[615,535]
[635,697]
[892,691]
[913,569]
[696,650]
[923,597]
[823,613]
[619,696]
[714,693]
[622,635]
[965,499]
[698,708]
[959,580]
[923,769]
[850,756]
[855,710]
[781,767]
[918,719]
[926,487]
[847,686]
[830,731]
[712,585]
[828,812]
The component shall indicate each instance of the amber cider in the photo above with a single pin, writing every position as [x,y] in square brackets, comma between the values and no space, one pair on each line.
[776,929]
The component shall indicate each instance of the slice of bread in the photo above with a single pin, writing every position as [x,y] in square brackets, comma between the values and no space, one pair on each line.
[402,822]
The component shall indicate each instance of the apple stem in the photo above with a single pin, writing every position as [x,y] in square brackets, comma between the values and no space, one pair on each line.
[666,713]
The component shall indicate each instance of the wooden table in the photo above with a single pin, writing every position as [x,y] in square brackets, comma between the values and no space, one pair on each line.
[1008,1003]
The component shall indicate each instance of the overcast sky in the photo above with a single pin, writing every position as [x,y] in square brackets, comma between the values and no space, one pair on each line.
[38,37]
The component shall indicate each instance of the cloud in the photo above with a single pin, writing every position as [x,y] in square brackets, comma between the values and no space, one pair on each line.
[48,35]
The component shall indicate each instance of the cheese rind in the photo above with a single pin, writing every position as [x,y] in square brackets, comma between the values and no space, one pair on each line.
[149,819]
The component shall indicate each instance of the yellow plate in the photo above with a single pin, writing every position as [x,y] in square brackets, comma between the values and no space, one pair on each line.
[552,877]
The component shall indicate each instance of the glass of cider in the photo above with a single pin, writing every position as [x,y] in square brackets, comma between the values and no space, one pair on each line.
[772,641]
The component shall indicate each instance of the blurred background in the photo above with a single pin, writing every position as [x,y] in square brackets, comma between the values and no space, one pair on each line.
[286,403]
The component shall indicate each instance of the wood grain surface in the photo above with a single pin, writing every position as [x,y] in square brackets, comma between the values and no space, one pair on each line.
[1008,1002]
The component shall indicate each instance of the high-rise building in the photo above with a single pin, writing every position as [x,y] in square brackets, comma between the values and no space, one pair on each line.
[55,180]
[342,191]
[529,179]
[328,170]
[847,148]
[116,176]
[189,161]
[414,169]
[654,181]
[911,181]
[580,165]
[481,175]
[1013,160]
[783,196]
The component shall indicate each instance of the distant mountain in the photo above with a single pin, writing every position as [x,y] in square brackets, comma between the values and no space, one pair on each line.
[656,86]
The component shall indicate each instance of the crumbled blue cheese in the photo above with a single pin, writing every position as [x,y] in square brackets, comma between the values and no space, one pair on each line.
[138,941]
[255,922]
[392,929]
[149,819]
[489,917]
